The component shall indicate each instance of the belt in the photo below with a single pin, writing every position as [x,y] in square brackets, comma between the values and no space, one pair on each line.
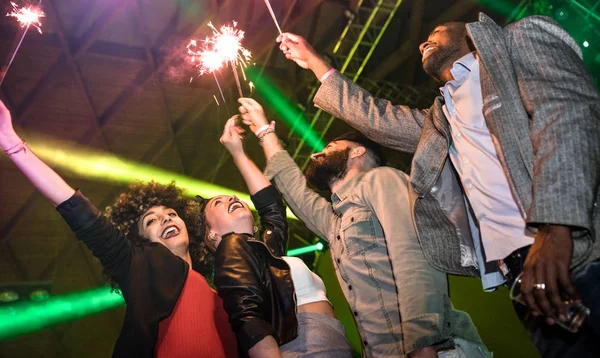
[514,264]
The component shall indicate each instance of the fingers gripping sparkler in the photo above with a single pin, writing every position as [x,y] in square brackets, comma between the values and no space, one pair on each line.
[27,16]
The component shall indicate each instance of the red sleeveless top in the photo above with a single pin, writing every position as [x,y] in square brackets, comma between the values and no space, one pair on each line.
[198,325]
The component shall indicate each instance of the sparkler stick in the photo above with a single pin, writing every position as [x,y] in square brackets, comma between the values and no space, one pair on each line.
[222,49]
[223,97]
[227,43]
[26,16]
[210,62]
[237,80]
[273,15]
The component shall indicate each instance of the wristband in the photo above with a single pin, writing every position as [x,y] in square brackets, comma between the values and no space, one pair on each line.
[21,147]
[263,134]
[327,74]
[261,130]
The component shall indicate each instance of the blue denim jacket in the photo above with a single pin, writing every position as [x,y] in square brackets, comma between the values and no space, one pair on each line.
[399,301]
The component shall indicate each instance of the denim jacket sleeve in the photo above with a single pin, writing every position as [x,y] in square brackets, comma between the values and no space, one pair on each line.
[272,213]
[105,241]
[422,290]
[311,208]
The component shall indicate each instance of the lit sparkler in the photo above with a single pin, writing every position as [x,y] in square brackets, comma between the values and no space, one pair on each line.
[227,43]
[223,48]
[209,61]
[27,16]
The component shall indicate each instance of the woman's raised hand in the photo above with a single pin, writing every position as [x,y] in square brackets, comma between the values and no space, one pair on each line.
[232,137]
[252,113]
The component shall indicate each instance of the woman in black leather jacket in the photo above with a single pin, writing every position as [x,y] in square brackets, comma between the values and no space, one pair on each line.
[251,276]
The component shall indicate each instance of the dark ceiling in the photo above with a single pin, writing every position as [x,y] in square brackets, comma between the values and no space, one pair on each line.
[109,75]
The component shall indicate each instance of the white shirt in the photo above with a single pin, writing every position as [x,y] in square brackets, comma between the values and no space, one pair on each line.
[474,156]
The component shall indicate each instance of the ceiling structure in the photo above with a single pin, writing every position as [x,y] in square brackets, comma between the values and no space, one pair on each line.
[111,76]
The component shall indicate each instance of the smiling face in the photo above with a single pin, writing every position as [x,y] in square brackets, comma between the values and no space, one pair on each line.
[163,225]
[446,44]
[225,214]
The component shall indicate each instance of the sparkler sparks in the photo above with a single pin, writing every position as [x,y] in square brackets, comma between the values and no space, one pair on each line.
[223,48]
[27,15]
[227,42]
[208,60]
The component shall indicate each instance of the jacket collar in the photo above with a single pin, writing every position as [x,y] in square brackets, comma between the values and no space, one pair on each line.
[346,189]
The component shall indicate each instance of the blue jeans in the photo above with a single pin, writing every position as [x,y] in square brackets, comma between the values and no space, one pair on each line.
[555,341]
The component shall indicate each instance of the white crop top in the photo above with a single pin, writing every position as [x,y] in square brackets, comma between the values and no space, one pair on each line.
[309,287]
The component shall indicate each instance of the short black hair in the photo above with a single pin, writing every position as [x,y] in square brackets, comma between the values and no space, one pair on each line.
[375,149]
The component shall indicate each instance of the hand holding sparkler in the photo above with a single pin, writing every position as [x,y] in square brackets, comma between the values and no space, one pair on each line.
[252,113]
[232,137]
[297,49]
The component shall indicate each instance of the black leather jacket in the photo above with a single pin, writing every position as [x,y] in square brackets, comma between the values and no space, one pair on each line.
[252,279]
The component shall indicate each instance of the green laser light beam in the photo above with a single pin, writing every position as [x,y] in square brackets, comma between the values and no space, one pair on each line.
[89,164]
[306,249]
[286,110]
[25,317]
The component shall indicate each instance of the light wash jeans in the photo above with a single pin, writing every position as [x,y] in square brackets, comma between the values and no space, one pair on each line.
[466,349]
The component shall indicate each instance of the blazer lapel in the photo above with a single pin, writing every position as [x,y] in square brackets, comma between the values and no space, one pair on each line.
[432,151]
[503,109]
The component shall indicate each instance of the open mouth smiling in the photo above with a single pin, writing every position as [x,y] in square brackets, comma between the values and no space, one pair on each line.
[428,51]
[169,232]
[234,206]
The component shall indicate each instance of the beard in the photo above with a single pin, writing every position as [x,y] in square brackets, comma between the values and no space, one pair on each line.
[435,64]
[325,170]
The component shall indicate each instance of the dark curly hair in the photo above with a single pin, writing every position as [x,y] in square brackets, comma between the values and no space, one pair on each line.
[125,213]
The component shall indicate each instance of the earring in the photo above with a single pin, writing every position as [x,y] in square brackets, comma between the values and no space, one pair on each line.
[255,229]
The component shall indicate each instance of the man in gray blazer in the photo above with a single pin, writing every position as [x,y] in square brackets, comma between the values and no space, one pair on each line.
[519,122]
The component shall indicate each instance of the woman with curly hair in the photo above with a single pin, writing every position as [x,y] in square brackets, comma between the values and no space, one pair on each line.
[276,305]
[144,245]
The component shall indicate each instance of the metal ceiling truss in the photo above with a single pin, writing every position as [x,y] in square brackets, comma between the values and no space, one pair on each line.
[105,19]
[352,51]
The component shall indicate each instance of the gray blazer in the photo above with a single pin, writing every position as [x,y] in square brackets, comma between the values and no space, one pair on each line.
[543,113]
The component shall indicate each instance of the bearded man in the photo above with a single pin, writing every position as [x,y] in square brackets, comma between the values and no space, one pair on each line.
[505,177]
[399,301]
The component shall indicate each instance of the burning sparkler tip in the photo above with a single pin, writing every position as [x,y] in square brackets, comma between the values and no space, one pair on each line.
[27,15]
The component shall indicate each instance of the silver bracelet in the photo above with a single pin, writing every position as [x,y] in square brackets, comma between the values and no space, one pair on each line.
[261,137]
